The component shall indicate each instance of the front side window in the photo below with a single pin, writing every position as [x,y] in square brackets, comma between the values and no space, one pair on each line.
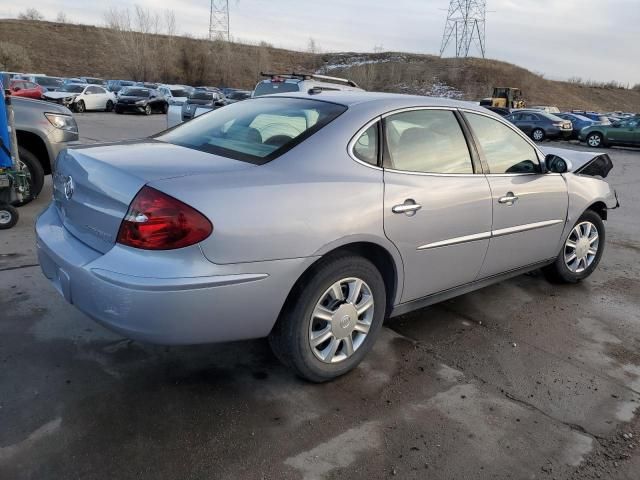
[254,131]
[428,141]
[365,147]
[504,149]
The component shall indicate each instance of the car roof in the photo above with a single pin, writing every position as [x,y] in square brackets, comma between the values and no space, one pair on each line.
[391,101]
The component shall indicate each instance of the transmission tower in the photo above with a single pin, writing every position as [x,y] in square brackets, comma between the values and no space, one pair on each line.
[219,20]
[466,25]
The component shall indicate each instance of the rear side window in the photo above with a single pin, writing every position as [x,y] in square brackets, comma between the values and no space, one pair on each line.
[255,131]
[429,141]
[365,147]
[269,88]
[505,150]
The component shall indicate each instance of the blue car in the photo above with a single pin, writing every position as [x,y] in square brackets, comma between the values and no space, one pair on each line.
[578,121]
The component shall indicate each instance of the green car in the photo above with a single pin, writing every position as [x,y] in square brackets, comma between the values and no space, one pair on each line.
[624,132]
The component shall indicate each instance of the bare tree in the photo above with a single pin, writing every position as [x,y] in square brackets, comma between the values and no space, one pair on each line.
[14,57]
[62,17]
[31,14]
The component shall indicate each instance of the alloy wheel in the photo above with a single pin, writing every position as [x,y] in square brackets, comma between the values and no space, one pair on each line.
[594,140]
[538,135]
[341,320]
[581,247]
[5,217]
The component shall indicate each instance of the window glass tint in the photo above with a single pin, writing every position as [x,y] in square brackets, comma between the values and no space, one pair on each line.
[269,88]
[504,150]
[429,141]
[366,147]
[255,131]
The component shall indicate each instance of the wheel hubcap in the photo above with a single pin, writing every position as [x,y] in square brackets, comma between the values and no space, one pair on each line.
[537,134]
[5,217]
[594,141]
[581,247]
[341,320]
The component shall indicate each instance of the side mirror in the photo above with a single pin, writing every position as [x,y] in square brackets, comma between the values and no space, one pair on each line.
[556,164]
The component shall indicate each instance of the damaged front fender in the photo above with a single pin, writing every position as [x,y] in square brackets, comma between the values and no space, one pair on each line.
[593,164]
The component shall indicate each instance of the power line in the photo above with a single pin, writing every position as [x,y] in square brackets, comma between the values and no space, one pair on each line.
[219,20]
[465,26]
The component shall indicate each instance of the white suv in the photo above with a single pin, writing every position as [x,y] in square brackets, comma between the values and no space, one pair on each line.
[301,82]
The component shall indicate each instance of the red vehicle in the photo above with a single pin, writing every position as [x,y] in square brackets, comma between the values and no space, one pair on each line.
[24,88]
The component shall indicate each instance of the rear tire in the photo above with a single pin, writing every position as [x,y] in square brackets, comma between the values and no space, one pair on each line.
[8,216]
[595,140]
[349,325]
[538,135]
[35,175]
[109,106]
[580,241]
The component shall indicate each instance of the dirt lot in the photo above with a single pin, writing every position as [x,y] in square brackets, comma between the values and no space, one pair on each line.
[523,379]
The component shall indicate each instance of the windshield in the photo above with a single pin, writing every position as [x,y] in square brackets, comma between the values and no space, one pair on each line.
[179,93]
[135,92]
[201,95]
[72,88]
[254,131]
[269,88]
[48,81]
[94,81]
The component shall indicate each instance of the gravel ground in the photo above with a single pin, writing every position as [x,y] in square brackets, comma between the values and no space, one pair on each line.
[522,379]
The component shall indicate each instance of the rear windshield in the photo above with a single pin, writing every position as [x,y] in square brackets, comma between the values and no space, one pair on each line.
[254,131]
[179,93]
[269,88]
[239,95]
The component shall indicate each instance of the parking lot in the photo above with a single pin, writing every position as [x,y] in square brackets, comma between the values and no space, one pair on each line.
[523,379]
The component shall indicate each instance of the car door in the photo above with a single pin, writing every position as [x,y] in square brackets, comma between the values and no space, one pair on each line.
[101,97]
[437,203]
[529,206]
[625,132]
[87,96]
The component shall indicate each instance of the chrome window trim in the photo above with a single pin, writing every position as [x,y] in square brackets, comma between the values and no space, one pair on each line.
[354,139]
[488,235]
[430,174]
[515,129]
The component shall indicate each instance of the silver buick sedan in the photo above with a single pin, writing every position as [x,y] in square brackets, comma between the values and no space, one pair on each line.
[310,218]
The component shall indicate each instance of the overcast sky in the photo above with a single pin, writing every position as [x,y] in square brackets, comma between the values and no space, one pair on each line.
[591,39]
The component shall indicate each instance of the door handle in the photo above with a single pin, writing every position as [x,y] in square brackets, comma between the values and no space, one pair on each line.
[409,207]
[508,199]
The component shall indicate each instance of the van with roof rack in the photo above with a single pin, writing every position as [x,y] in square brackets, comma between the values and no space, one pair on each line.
[301,82]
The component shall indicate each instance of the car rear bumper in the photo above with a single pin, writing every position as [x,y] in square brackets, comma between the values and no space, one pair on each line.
[210,303]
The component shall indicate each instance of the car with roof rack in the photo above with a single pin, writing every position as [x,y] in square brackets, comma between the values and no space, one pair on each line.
[301,82]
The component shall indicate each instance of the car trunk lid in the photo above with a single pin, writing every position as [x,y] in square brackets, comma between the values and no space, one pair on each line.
[94,186]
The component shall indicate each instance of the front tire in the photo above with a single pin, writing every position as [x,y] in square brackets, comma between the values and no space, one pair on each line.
[581,251]
[35,175]
[80,107]
[332,319]
[538,134]
[147,110]
[594,140]
[109,106]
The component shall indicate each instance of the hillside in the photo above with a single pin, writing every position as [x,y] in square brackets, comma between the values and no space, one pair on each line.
[73,50]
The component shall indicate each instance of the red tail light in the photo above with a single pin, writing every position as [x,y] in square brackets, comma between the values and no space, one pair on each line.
[156,221]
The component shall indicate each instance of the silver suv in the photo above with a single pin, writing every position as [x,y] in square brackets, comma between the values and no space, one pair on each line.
[301,82]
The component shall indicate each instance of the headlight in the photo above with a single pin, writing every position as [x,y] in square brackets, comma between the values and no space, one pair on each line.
[141,102]
[63,122]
